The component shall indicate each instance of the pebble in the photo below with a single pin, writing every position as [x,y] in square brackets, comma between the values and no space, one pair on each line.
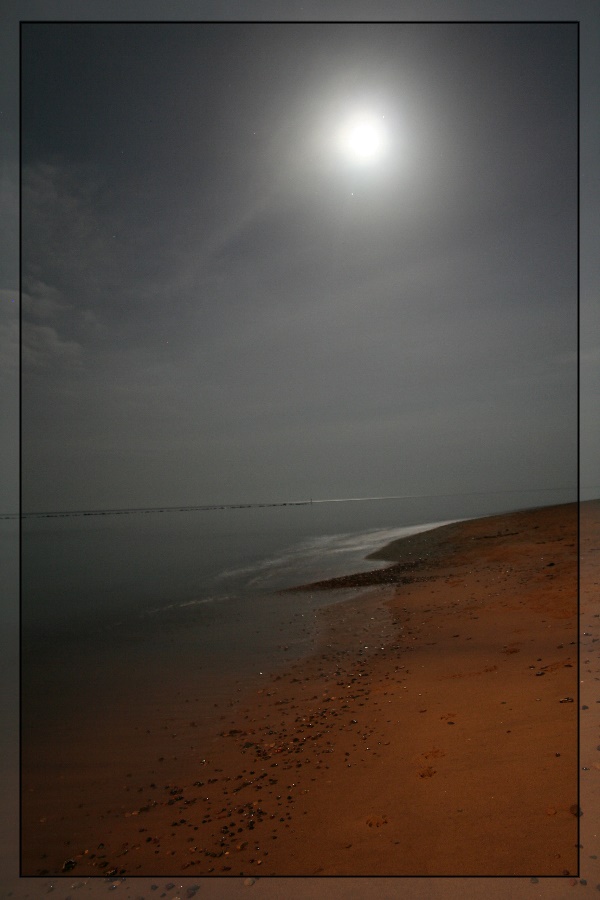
[248,882]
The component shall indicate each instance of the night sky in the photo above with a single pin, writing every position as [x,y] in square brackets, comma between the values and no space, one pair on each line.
[224,302]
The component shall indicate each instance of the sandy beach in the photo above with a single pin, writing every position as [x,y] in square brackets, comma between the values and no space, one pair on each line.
[431,731]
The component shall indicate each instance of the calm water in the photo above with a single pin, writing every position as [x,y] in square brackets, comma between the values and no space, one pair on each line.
[82,572]
[195,590]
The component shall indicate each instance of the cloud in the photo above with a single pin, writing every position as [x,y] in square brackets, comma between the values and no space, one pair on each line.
[40,300]
[43,348]
[57,232]
[67,247]
[206,291]
[95,267]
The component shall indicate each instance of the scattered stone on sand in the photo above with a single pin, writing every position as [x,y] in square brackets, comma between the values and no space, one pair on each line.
[376,821]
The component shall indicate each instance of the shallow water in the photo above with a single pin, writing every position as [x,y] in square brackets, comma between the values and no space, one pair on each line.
[85,571]
[132,600]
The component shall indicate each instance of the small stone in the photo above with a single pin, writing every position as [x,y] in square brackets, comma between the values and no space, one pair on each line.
[248,882]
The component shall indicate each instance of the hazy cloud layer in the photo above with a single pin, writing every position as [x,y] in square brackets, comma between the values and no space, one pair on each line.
[217,307]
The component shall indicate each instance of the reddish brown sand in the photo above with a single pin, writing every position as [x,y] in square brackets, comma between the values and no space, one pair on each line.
[432,732]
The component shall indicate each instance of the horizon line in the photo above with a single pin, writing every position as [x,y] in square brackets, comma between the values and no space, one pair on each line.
[305,502]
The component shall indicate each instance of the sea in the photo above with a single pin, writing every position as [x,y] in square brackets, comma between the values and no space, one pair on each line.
[119,599]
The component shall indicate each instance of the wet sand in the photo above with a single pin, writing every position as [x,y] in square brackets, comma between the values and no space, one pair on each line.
[433,731]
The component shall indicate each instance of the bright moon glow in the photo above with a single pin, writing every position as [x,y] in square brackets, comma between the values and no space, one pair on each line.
[363,139]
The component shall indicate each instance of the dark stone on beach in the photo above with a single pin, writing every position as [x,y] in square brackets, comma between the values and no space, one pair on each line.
[394,574]
[68,865]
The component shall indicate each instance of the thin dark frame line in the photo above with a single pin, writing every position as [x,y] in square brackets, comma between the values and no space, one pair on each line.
[25,22]
[20,459]
[300,22]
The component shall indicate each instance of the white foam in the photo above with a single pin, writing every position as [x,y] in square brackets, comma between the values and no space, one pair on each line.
[200,601]
[313,553]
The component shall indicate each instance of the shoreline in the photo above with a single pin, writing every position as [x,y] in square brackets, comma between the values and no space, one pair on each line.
[424,735]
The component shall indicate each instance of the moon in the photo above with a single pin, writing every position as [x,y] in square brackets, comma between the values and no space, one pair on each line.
[363,139]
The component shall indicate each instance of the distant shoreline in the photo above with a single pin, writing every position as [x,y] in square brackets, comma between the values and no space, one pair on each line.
[271,504]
